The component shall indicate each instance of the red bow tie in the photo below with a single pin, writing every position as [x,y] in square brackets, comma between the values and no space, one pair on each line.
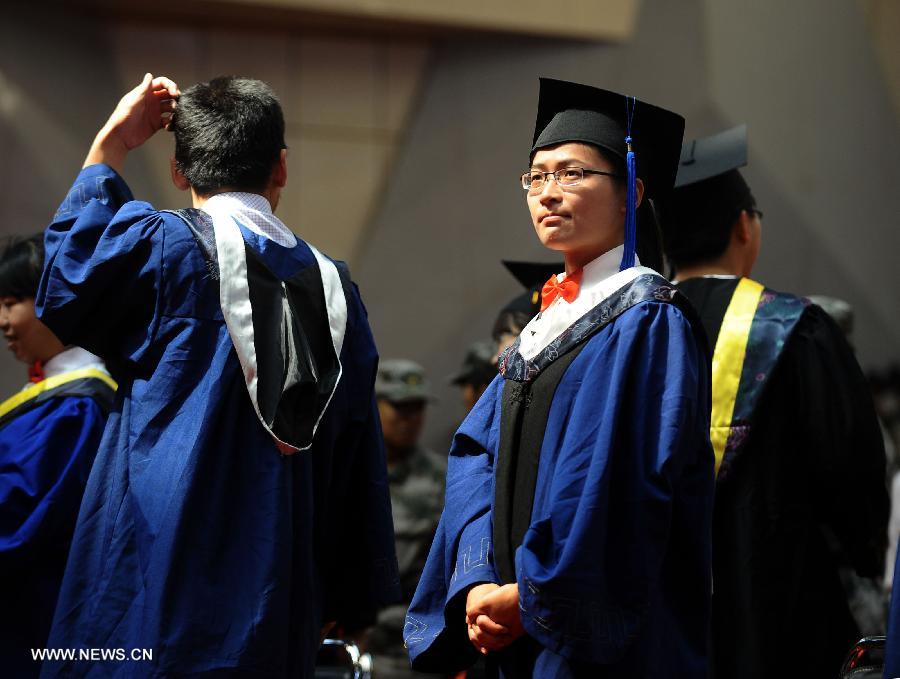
[568,289]
[36,372]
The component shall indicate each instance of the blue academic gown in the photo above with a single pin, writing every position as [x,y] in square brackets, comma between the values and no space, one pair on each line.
[614,570]
[45,458]
[892,647]
[197,540]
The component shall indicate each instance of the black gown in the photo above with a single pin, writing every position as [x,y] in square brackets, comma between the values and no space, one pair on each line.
[806,494]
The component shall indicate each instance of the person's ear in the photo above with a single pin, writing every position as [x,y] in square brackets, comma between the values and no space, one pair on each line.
[279,175]
[639,190]
[742,231]
[179,180]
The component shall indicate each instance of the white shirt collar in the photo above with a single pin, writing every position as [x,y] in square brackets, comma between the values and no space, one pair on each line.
[73,358]
[719,276]
[606,265]
[69,359]
[253,212]
[601,278]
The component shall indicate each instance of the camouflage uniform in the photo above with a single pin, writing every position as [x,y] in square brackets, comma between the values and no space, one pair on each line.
[417,498]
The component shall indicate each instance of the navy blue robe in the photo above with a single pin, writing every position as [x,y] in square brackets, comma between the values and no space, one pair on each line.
[197,540]
[614,570]
[892,646]
[45,458]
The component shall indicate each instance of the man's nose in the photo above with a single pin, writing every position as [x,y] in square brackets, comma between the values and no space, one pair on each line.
[551,191]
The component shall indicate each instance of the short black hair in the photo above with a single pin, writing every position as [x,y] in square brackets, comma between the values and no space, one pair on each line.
[229,132]
[510,322]
[697,219]
[21,264]
[648,240]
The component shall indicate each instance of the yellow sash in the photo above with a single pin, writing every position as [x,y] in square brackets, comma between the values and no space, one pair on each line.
[728,361]
[36,390]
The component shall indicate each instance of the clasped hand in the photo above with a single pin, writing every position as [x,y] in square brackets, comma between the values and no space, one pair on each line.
[492,616]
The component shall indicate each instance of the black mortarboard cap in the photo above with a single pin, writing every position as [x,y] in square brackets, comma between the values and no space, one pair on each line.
[646,137]
[532,276]
[712,156]
[570,112]
[709,194]
[528,302]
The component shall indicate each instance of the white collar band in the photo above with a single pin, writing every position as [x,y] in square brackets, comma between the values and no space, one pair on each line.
[601,278]
[253,212]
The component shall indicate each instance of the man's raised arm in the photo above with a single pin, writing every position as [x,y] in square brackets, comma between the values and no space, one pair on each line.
[139,115]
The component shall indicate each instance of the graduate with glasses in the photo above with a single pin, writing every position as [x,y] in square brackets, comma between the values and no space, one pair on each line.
[575,536]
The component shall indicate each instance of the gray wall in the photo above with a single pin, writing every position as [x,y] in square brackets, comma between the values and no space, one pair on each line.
[56,87]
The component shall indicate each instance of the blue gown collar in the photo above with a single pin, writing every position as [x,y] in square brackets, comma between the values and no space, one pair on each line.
[646,287]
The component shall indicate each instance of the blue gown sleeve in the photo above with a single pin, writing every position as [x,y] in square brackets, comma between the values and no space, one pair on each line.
[637,415]
[892,644]
[461,554]
[102,268]
[45,458]
[360,573]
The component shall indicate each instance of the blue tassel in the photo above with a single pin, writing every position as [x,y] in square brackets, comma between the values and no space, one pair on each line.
[630,193]
[630,211]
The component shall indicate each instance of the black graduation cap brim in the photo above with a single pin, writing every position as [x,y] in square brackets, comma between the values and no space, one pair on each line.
[528,302]
[712,156]
[571,112]
[709,194]
[533,275]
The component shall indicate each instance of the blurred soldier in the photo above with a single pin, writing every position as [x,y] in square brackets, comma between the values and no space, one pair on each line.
[477,372]
[416,476]
[799,455]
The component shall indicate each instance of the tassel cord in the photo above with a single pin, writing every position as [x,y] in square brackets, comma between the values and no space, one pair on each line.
[630,193]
